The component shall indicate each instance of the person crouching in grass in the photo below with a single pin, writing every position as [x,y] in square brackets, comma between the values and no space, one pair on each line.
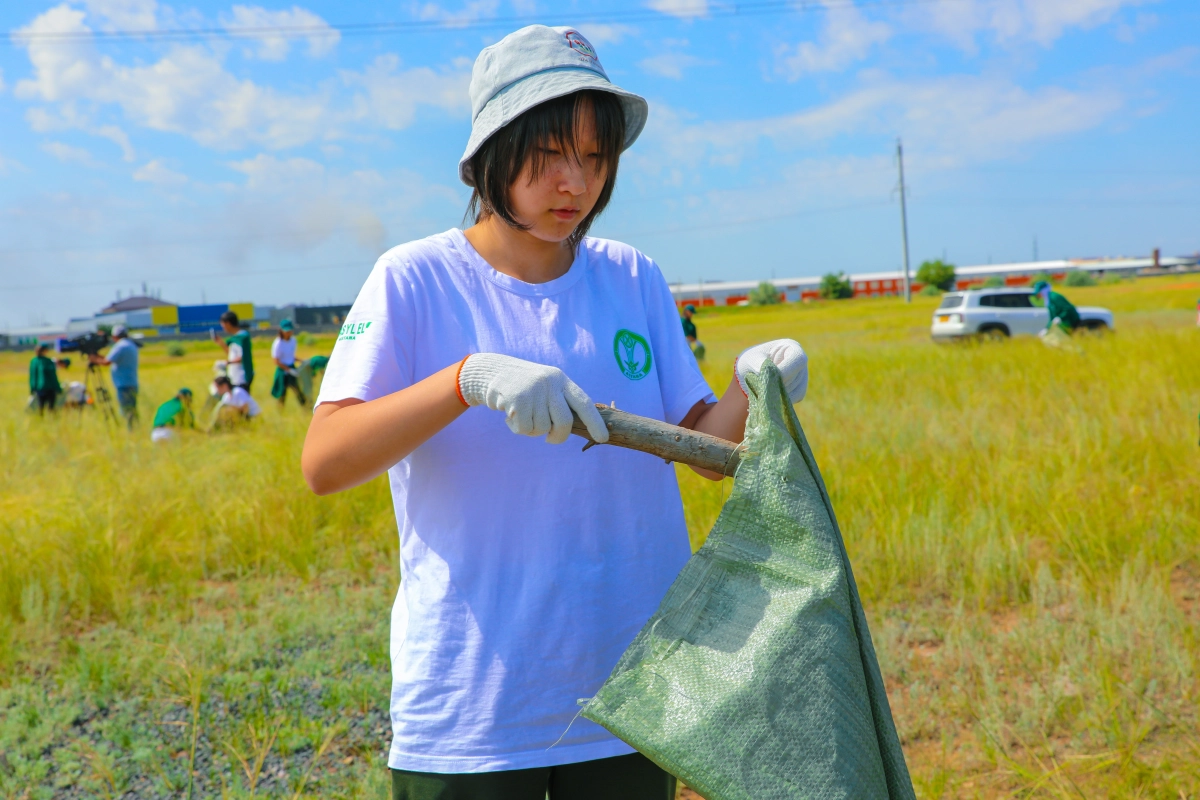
[173,415]
[283,351]
[236,407]
[528,566]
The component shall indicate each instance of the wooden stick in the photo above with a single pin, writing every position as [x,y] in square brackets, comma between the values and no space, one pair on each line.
[669,442]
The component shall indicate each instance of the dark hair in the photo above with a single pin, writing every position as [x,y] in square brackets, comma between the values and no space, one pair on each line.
[498,163]
[230,317]
[223,379]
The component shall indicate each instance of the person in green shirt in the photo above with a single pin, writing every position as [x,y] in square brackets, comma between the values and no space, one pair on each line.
[174,414]
[238,358]
[44,387]
[1059,309]
[689,332]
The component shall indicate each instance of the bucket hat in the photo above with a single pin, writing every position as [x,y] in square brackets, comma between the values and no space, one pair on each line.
[529,67]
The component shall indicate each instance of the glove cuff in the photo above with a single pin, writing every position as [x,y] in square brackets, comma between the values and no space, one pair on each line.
[475,375]
[458,382]
[737,374]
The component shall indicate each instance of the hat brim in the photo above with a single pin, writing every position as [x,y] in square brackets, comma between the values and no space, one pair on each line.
[536,89]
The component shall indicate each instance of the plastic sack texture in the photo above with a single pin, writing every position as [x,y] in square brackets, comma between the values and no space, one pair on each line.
[756,679]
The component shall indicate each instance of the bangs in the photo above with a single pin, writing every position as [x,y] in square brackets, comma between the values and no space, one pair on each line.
[501,159]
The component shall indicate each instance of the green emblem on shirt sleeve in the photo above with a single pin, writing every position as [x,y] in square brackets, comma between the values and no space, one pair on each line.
[633,354]
[352,330]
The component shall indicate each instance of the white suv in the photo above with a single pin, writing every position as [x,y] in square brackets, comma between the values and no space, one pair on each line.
[1002,312]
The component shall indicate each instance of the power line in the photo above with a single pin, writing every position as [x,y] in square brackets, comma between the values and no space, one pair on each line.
[750,9]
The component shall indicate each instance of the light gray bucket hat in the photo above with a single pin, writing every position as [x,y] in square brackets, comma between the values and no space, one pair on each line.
[529,67]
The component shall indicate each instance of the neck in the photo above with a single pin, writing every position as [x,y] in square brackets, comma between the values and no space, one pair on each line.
[517,253]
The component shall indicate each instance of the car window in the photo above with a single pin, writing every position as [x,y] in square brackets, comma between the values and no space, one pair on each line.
[951,301]
[1005,301]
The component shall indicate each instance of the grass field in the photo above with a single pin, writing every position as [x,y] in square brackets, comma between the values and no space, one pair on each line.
[1024,523]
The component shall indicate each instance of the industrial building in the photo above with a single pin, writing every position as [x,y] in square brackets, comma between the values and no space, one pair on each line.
[891,284]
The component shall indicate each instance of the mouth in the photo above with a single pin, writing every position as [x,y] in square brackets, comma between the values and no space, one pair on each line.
[565,213]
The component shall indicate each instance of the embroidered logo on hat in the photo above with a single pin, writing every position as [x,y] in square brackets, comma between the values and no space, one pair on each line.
[581,45]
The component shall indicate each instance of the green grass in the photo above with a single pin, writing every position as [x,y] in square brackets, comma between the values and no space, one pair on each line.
[1022,522]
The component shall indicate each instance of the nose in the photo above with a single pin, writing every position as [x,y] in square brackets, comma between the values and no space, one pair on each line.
[572,177]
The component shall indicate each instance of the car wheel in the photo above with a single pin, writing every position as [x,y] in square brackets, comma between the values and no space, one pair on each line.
[993,333]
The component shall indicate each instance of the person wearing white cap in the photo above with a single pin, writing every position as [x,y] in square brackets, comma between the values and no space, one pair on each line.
[527,567]
[123,359]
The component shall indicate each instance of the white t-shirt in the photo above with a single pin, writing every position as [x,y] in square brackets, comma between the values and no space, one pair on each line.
[284,350]
[240,398]
[233,368]
[527,567]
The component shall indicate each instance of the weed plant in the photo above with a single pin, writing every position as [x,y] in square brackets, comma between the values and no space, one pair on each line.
[189,621]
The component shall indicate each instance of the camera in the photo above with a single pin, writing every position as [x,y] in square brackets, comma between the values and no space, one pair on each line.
[89,344]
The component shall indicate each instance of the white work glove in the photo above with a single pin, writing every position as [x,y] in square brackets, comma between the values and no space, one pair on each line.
[787,354]
[536,400]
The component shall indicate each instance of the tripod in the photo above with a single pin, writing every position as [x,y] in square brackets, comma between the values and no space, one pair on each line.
[96,390]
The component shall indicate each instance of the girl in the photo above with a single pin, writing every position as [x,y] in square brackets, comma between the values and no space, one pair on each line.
[528,566]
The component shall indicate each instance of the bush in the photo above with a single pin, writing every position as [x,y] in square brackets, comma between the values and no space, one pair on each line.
[1079,278]
[994,282]
[836,287]
[929,290]
[1041,276]
[936,273]
[765,294]
[175,350]
[306,339]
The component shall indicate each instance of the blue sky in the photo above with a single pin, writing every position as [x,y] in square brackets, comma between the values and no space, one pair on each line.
[274,170]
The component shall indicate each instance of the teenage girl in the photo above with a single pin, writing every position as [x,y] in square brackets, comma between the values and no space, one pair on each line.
[528,566]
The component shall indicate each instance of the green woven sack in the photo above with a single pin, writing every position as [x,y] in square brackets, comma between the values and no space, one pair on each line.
[756,678]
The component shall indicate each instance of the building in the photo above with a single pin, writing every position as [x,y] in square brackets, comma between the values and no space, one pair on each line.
[891,284]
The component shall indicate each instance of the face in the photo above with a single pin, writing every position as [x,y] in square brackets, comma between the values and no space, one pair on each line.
[285,334]
[554,203]
[229,327]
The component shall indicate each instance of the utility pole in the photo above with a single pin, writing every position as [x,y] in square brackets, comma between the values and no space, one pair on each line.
[903,221]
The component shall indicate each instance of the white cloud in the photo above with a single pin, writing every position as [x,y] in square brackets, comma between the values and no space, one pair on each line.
[670,65]
[684,9]
[391,95]
[190,92]
[157,173]
[848,36]
[69,155]
[955,118]
[599,33]
[1011,21]
[130,15]
[321,40]
[473,10]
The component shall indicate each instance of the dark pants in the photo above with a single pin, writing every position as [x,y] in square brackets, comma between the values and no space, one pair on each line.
[46,398]
[127,401]
[631,777]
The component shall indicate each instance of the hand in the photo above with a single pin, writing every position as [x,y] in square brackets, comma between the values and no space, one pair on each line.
[788,355]
[536,400]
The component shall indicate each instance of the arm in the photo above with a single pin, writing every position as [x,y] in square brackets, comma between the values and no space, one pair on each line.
[349,442]
[725,419]
[221,343]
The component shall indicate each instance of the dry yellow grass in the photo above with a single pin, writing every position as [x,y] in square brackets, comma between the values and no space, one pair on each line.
[1023,523]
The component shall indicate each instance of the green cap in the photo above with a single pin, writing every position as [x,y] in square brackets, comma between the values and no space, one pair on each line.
[690,307]
[286,325]
[185,391]
[1039,286]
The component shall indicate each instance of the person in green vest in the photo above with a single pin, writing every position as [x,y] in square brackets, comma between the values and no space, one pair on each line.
[239,363]
[173,415]
[689,332]
[44,387]
[1059,309]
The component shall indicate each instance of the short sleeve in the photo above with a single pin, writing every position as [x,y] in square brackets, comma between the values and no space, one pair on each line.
[679,375]
[373,354]
[276,345]
[234,352]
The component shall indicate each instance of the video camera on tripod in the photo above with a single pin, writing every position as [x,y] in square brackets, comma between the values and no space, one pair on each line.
[96,392]
[89,344]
